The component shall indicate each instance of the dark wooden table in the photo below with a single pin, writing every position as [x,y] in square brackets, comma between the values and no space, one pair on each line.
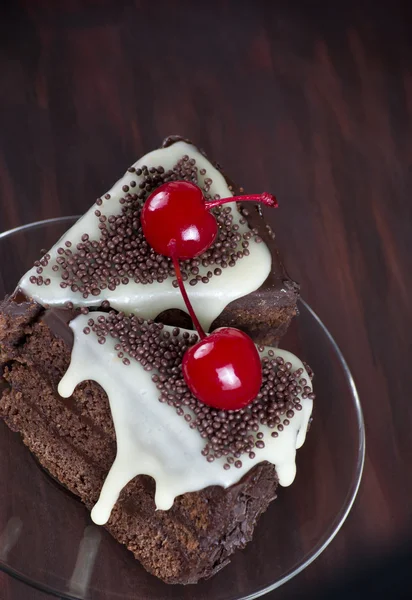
[311,100]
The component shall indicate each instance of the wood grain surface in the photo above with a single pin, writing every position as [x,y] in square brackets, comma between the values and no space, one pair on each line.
[310,100]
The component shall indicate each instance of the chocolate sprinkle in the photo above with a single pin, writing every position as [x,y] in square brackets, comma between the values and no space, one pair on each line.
[121,254]
[227,434]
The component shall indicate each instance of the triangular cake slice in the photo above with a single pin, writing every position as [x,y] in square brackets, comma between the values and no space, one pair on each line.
[99,398]
[239,281]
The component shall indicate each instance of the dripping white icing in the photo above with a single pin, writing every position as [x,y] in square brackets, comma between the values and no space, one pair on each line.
[208,300]
[153,440]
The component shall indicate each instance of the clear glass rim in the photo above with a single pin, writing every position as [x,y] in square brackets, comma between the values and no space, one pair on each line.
[351,494]
[21,228]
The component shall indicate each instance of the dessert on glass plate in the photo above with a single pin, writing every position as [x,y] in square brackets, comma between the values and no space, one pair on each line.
[139,362]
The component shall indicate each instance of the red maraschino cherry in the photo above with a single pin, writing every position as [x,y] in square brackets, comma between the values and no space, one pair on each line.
[223,369]
[178,211]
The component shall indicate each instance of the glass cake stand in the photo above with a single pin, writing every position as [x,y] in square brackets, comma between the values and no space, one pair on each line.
[48,541]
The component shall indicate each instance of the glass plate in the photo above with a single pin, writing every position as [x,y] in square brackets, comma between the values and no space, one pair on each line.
[47,538]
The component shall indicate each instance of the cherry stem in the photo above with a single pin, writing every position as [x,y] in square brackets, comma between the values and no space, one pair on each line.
[264,198]
[182,288]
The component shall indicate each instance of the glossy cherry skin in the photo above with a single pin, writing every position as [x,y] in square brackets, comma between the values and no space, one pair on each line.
[223,370]
[177,211]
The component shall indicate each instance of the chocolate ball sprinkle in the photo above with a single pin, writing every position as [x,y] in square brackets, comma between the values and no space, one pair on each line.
[226,433]
[121,254]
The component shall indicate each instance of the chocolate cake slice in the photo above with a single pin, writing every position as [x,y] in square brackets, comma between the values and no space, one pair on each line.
[193,534]
[239,281]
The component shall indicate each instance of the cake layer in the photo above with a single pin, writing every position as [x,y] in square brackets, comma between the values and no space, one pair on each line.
[74,440]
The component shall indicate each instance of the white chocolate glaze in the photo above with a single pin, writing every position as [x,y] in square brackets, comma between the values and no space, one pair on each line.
[149,300]
[153,440]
